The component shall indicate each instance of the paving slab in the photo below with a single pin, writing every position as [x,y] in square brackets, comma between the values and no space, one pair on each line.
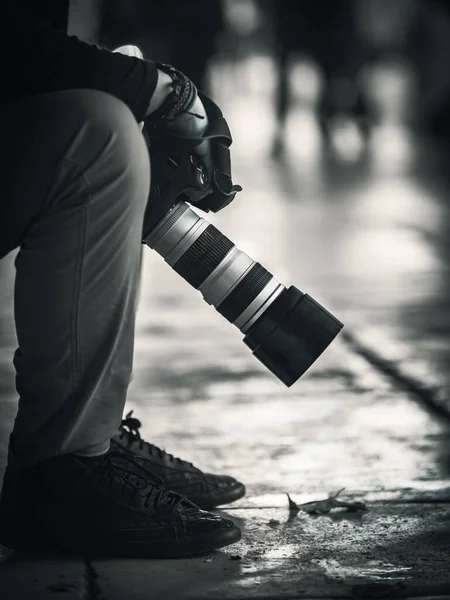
[28,577]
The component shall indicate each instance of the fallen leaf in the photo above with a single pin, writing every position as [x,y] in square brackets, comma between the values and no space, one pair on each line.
[323,507]
[292,506]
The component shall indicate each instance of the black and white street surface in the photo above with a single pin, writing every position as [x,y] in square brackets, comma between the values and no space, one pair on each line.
[365,232]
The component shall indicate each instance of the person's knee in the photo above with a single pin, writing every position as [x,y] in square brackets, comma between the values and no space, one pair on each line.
[110,139]
[75,147]
[109,115]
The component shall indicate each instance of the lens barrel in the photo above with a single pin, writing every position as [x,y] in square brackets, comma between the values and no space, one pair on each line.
[286,329]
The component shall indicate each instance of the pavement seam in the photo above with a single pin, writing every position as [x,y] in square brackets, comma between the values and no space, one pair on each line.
[425,395]
[92,589]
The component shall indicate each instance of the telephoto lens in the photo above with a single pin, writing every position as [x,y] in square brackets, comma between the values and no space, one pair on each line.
[286,329]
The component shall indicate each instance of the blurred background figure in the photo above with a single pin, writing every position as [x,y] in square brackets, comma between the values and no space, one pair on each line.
[429,51]
[327,33]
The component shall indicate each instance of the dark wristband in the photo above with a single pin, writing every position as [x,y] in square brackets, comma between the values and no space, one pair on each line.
[179,101]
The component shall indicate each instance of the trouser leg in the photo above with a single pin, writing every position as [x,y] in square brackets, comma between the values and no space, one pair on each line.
[76,173]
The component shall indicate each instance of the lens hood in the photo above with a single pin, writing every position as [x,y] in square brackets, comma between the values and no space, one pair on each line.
[291,334]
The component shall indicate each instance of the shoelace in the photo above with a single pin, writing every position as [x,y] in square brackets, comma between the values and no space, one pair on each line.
[159,495]
[130,428]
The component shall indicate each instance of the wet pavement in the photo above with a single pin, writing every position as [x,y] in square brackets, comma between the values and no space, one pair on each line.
[365,232]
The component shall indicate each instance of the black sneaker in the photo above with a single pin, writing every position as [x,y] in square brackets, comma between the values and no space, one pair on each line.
[204,489]
[108,506]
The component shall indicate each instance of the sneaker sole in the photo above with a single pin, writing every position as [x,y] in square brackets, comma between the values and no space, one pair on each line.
[181,548]
[33,539]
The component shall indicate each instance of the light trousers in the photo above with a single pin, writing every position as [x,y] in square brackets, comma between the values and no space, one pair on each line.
[75,178]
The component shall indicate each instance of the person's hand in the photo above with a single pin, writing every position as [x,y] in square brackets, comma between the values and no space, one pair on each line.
[162,91]
[177,122]
[163,84]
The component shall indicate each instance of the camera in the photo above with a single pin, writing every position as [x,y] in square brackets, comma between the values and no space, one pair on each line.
[285,328]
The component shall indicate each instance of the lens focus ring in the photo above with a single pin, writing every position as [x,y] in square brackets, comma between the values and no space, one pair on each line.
[245,292]
[203,256]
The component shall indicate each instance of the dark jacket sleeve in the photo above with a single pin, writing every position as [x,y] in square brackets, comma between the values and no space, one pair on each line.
[34,58]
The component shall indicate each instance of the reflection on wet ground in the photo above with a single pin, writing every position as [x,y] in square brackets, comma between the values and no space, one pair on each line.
[365,231]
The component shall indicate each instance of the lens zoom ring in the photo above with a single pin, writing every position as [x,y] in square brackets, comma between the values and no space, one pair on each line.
[203,256]
[244,293]
[173,218]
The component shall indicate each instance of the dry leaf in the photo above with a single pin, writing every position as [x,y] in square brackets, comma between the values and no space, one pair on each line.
[292,506]
[322,507]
